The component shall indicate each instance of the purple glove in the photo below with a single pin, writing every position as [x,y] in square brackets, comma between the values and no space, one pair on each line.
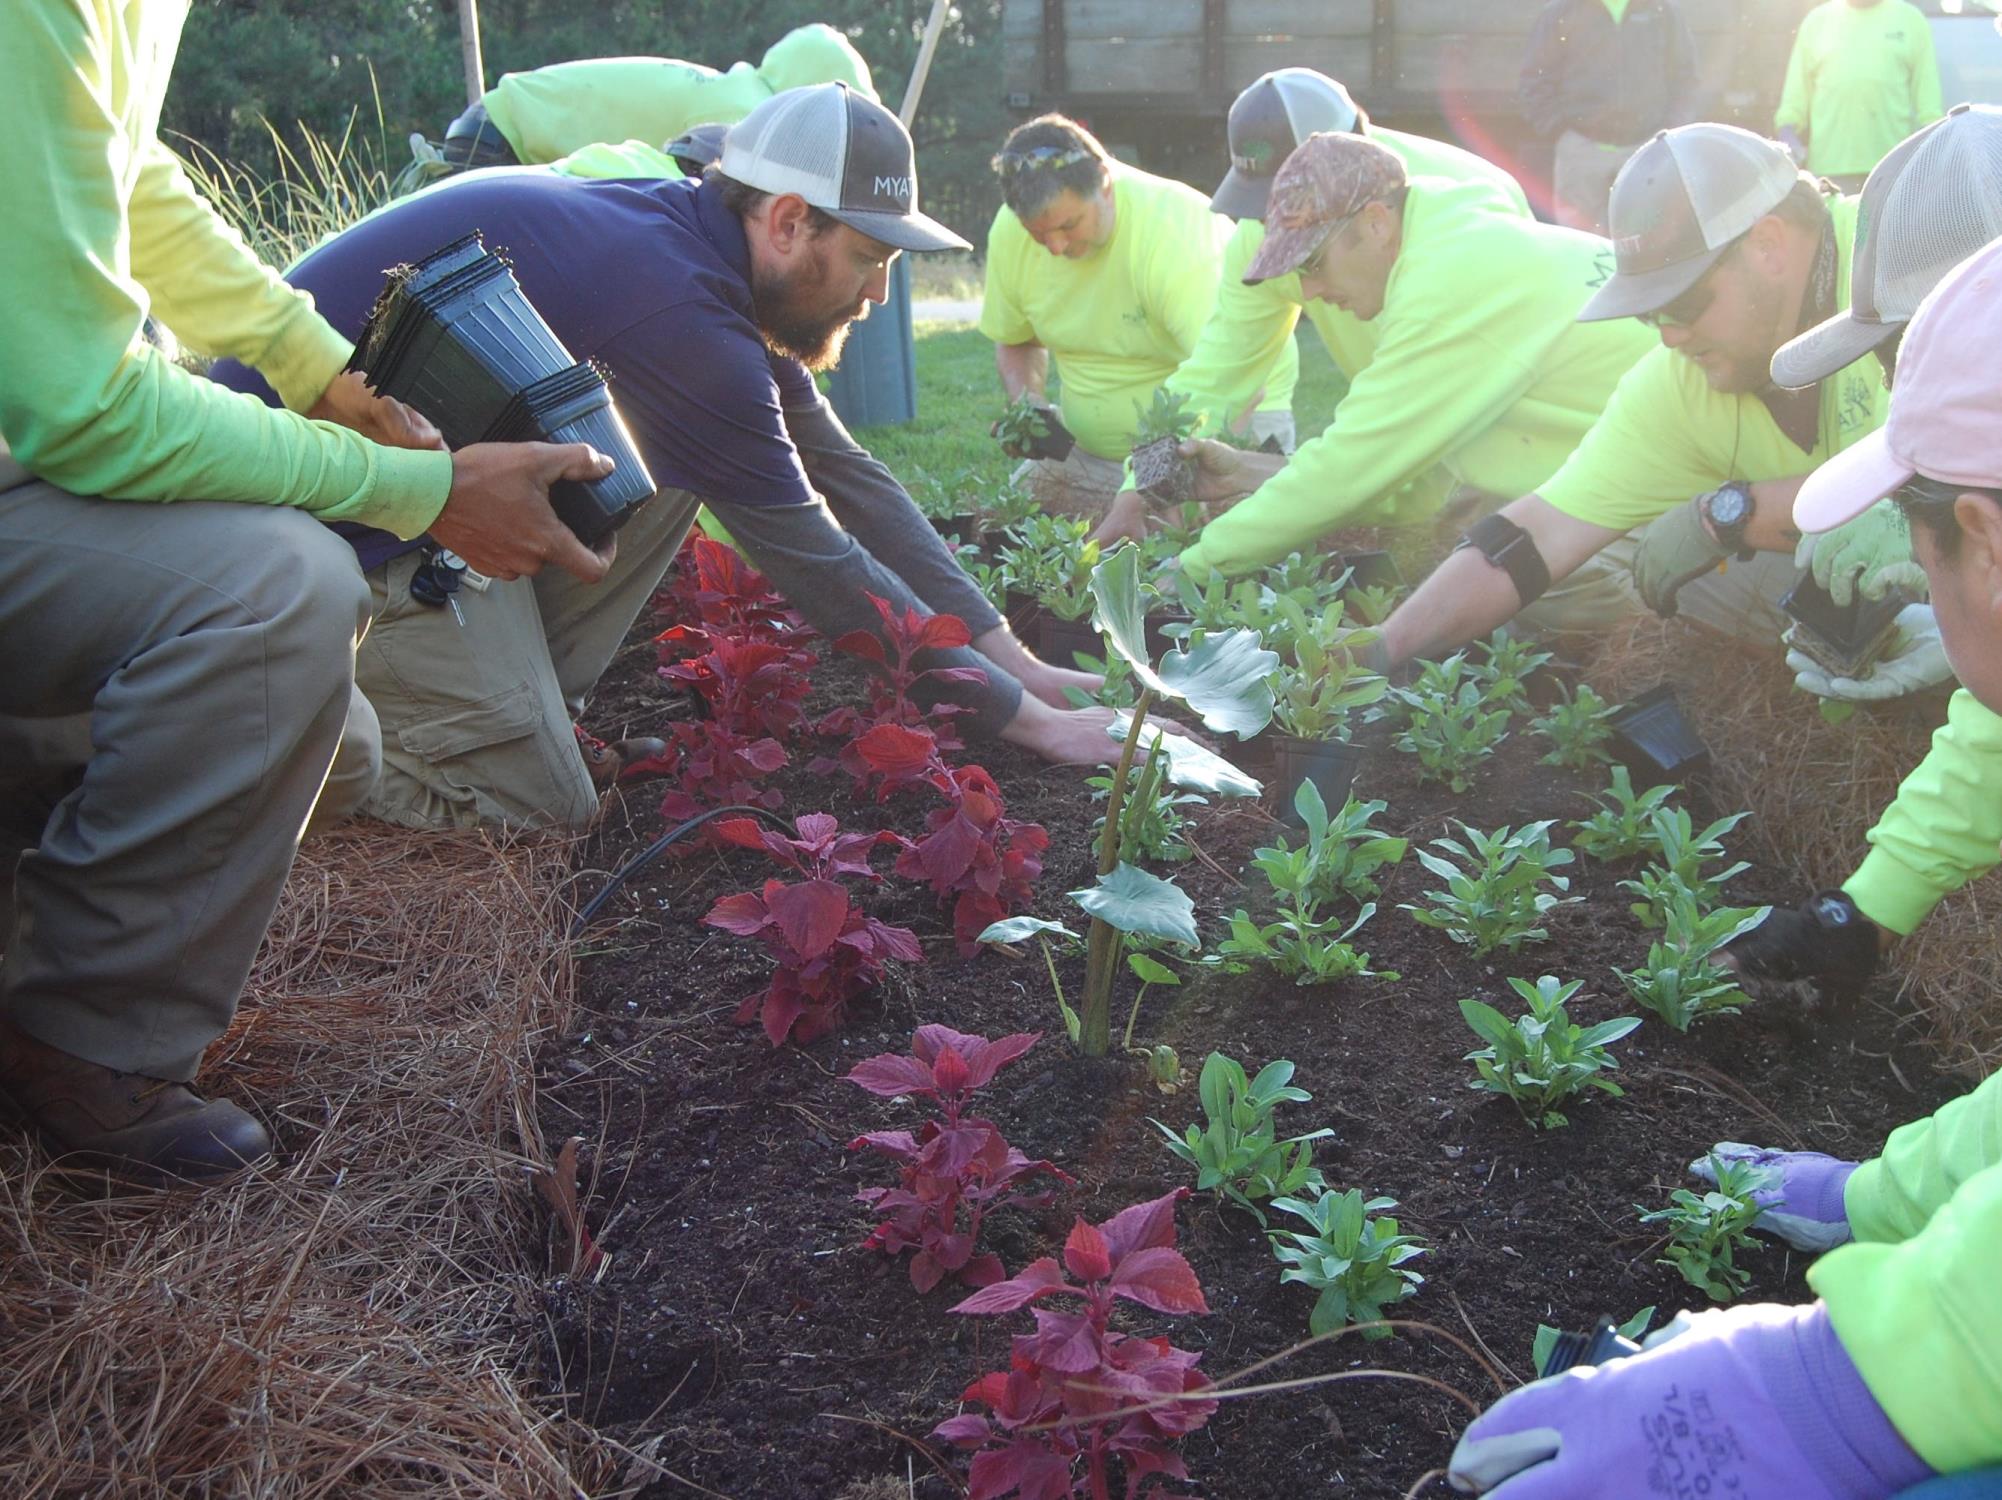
[1759,1401]
[1800,1191]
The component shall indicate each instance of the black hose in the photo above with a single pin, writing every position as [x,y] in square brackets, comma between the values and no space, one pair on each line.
[653,852]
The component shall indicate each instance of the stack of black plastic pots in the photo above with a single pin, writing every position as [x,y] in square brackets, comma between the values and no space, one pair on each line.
[456,337]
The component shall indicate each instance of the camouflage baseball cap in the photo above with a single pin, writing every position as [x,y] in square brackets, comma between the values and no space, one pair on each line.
[1327,179]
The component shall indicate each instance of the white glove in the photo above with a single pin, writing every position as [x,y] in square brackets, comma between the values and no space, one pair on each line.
[1871,555]
[1915,661]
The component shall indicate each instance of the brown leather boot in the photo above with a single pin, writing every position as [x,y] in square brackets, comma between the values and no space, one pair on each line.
[147,1128]
[608,764]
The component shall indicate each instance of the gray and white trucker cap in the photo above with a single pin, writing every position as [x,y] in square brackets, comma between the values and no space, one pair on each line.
[1269,119]
[1931,203]
[845,155]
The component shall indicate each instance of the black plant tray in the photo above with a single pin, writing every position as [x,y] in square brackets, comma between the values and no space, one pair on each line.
[1655,740]
[1844,640]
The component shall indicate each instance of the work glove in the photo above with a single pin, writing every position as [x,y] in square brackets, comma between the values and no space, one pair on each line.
[1799,1191]
[1914,661]
[1870,555]
[1825,937]
[1674,550]
[1760,1401]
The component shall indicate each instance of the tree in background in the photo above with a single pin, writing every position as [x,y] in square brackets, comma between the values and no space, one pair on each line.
[373,71]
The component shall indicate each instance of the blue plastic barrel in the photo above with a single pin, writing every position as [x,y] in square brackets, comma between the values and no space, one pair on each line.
[877,380]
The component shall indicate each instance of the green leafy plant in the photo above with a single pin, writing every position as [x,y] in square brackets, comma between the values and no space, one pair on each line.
[1118,690]
[1305,949]
[1707,1230]
[1351,1253]
[1682,982]
[1315,696]
[1505,667]
[1236,1151]
[1341,855]
[1373,603]
[1500,890]
[1052,557]
[1150,971]
[1023,429]
[1158,820]
[1545,1342]
[1680,853]
[1448,723]
[1158,466]
[1051,939]
[1577,729]
[1543,1057]
[1620,828]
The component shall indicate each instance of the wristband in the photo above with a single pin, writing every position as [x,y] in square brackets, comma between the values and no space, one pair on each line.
[1514,551]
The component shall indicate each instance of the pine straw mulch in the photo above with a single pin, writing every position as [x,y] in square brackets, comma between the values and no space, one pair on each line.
[354,1322]
[1814,789]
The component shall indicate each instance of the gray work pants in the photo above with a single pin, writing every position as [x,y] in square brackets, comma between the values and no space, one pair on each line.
[212,648]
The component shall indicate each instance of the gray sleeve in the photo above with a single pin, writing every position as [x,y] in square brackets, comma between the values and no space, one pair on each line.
[825,571]
[873,507]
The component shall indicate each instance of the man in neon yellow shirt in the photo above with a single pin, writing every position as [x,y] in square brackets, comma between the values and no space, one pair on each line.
[210,639]
[1251,328]
[1729,251]
[1890,1378]
[1110,273]
[1480,363]
[1862,77]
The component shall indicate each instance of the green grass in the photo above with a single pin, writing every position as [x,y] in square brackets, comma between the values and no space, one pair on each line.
[945,457]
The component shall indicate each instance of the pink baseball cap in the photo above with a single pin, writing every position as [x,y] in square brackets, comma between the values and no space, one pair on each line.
[1946,409]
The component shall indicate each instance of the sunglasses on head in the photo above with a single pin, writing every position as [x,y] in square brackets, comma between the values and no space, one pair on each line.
[1051,158]
[1695,300]
[1922,492]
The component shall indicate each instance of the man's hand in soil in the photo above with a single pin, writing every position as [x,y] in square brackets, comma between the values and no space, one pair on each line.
[1800,1191]
[1826,937]
[1756,1400]
[497,516]
[348,401]
[1227,473]
[1126,521]
[1063,736]
[1039,678]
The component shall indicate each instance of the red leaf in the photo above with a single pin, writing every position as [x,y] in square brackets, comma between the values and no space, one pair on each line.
[744,914]
[984,1058]
[1038,1278]
[942,632]
[1160,1278]
[1143,1225]
[896,751]
[897,1143]
[983,1270]
[929,1040]
[815,828]
[765,755]
[863,643]
[890,1074]
[950,1072]
[926,1272]
[1066,1342]
[1025,1467]
[810,914]
[1086,1253]
[965,1430]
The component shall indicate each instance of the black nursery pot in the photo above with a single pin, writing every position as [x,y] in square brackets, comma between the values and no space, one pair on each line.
[1843,639]
[1330,764]
[1374,569]
[1059,640]
[1655,741]
[575,406]
[961,526]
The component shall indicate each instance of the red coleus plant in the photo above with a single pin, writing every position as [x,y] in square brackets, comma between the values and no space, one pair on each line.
[715,587]
[712,766]
[1075,1390]
[828,951]
[821,852]
[751,687]
[951,1164]
[908,633]
[987,864]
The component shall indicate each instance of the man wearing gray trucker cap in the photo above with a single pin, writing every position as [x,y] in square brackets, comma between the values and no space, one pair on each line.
[1726,248]
[1251,326]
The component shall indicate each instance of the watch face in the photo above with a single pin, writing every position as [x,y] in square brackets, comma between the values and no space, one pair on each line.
[1729,507]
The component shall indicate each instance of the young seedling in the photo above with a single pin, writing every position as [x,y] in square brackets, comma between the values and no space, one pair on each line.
[1029,429]
[1545,1342]
[1497,893]
[1373,602]
[1299,945]
[1315,697]
[1682,982]
[1680,852]
[1352,1253]
[1158,466]
[1543,1057]
[1236,1151]
[1505,668]
[1577,729]
[1159,822]
[1341,856]
[1707,1230]
[1620,829]
[1449,723]
[1052,557]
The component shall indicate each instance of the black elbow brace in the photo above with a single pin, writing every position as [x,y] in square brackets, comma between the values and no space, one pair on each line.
[1514,551]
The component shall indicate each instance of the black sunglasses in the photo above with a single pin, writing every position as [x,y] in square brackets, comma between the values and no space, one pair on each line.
[1053,158]
[1695,300]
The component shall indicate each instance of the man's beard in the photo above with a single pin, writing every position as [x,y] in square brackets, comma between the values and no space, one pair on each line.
[814,339]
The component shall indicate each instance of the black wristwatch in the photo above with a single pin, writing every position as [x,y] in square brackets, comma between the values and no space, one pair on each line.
[1727,510]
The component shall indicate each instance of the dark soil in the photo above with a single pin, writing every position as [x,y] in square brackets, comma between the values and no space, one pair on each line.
[740,1322]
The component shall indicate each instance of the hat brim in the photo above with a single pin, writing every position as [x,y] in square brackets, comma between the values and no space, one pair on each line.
[1284,251]
[1849,484]
[1630,295]
[911,231]
[1826,348]
[1241,196]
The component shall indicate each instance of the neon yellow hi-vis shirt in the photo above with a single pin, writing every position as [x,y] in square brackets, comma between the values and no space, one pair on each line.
[1667,436]
[553,111]
[1859,81]
[1915,1300]
[1481,365]
[1120,320]
[1251,327]
[106,229]
[626,160]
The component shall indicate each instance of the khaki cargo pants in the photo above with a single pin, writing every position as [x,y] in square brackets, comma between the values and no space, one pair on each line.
[173,682]
[471,723]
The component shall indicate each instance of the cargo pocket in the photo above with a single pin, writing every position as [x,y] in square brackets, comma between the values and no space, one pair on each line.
[494,760]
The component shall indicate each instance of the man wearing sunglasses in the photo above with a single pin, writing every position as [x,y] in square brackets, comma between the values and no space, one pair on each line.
[1887,1384]
[1109,273]
[1728,251]
[1479,363]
